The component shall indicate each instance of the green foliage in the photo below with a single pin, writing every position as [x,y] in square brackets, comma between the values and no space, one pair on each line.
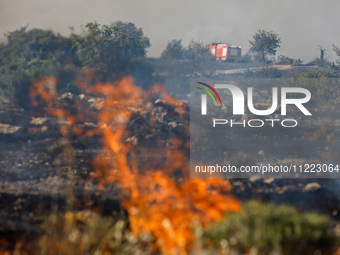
[194,51]
[331,73]
[193,58]
[197,50]
[336,66]
[36,52]
[198,54]
[173,50]
[337,52]
[111,49]
[114,50]
[29,55]
[284,60]
[269,229]
[264,43]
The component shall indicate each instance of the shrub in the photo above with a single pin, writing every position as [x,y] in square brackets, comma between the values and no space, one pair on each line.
[268,228]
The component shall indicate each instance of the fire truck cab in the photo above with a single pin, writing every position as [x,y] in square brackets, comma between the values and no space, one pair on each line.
[224,51]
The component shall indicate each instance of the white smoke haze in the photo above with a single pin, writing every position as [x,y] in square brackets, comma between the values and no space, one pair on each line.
[303,25]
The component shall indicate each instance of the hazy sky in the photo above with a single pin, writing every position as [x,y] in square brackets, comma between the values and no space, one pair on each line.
[302,24]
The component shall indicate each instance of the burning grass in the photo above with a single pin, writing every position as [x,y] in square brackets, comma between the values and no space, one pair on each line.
[161,199]
[144,155]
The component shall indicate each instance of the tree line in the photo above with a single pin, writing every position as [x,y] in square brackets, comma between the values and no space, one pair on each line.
[113,51]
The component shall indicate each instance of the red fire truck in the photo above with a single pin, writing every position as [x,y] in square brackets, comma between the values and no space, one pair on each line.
[224,51]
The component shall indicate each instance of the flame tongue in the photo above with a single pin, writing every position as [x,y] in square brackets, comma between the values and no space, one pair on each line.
[156,192]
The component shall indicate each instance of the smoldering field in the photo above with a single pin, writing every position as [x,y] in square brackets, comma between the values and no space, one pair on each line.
[34,165]
[76,138]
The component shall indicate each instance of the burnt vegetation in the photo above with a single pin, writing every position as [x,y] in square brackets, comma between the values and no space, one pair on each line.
[95,153]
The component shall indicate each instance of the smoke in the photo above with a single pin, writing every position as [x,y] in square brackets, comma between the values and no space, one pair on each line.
[302,25]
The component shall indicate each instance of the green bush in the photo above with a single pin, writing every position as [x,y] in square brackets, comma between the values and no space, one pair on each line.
[112,51]
[269,229]
[321,74]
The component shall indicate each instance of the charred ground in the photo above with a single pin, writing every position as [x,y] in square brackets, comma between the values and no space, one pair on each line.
[43,171]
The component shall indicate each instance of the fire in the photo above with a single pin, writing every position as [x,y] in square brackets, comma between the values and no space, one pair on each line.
[158,200]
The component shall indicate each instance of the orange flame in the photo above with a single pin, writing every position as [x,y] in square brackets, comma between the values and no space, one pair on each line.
[157,202]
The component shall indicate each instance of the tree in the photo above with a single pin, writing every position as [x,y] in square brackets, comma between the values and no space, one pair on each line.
[117,49]
[264,43]
[336,50]
[336,66]
[284,60]
[33,54]
[37,52]
[173,50]
[111,49]
[196,50]
[198,54]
